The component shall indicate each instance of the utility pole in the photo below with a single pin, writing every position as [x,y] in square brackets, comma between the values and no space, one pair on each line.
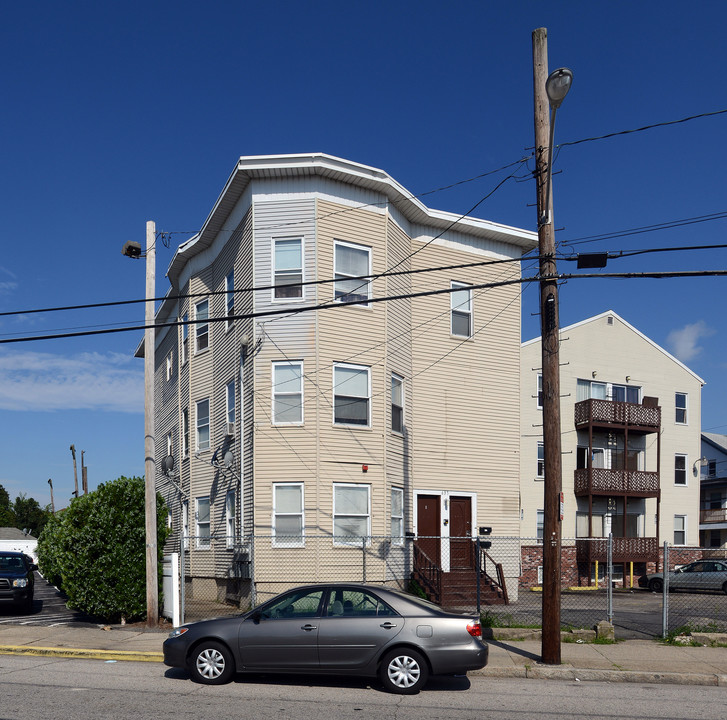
[75,470]
[84,476]
[549,328]
[52,504]
[152,577]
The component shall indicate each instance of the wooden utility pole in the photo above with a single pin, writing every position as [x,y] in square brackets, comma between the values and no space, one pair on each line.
[75,470]
[84,476]
[152,578]
[549,329]
[52,504]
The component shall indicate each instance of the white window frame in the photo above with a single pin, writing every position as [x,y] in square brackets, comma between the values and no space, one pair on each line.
[229,298]
[397,518]
[540,469]
[340,540]
[456,309]
[539,526]
[288,541]
[279,275]
[185,524]
[365,287]
[397,381]
[281,394]
[539,391]
[683,529]
[185,433]
[230,512]
[336,393]
[203,541]
[169,443]
[685,458]
[230,402]
[202,330]
[684,409]
[184,351]
[198,426]
[169,365]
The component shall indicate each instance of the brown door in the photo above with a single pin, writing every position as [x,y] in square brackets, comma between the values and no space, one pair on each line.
[460,526]
[429,526]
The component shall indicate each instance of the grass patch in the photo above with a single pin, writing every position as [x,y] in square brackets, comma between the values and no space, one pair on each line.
[687,630]
[495,620]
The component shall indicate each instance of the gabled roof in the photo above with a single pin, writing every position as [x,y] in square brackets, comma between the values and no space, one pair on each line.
[630,327]
[8,533]
[716,440]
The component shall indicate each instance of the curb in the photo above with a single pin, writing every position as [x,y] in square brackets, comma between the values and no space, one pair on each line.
[82,653]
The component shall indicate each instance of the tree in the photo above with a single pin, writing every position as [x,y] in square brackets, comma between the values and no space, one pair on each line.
[7,516]
[97,549]
[30,515]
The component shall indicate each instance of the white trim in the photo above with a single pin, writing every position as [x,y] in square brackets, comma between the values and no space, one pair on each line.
[301,514]
[685,408]
[230,537]
[196,424]
[287,363]
[366,285]
[457,286]
[351,366]
[686,468]
[686,536]
[273,287]
[343,543]
[199,537]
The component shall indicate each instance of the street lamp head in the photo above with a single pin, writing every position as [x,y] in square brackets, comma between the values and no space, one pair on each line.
[131,249]
[557,86]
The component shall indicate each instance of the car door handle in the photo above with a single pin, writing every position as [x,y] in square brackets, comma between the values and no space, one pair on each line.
[388,625]
[308,628]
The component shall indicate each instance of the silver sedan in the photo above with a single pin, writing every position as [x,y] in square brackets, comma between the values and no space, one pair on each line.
[700,575]
[338,629]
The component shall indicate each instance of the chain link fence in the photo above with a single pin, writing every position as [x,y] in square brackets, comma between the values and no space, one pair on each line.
[499,578]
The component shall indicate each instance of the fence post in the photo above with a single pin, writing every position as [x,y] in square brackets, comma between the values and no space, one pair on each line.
[665,593]
[182,583]
[609,588]
[478,563]
[363,555]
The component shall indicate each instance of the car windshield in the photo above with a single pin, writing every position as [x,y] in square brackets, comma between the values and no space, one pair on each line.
[11,563]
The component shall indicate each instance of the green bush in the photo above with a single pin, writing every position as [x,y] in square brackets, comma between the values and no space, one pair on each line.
[96,550]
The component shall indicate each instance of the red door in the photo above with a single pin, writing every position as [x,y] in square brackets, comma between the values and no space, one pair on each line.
[460,526]
[429,526]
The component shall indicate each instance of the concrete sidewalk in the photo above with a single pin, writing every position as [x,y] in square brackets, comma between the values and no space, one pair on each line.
[642,661]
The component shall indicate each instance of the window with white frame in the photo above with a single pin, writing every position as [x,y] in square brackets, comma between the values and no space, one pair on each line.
[540,391]
[185,523]
[169,444]
[202,329]
[541,461]
[230,518]
[184,352]
[185,432]
[586,389]
[582,525]
[351,513]
[288,515]
[461,305]
[680,529]
[540,575]
[397,516]
[287,393]
[397,403]
[680,469]
[203,424]
[680,401]
[351,395]
[230,402]
[202,522]
[288,268]
[169,367]
[351,262]
[626,393]
[229,297]
[540,526]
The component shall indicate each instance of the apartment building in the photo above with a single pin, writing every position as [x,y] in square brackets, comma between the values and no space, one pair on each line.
[713,506]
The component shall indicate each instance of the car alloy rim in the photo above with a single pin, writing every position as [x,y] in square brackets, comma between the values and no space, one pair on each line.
[210,664]
[404,671]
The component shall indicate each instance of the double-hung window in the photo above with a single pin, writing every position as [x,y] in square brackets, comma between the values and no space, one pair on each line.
[351,395]
[184,354]
[287,268]
[351,513]
[202,519]
[541,461]
[229,298]
[203,424]
[202,329]
[287,393]
[680,529]
[351,262]
[397,403]
[540,526]
[230,518]
[169,366]
[185,432]
[461,304]
[288,517]
[539,389]
[680,469]
[397,516]
[680,401]
[230,402]
[185,523]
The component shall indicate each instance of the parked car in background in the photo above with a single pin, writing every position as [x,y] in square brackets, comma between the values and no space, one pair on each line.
[17,581]
[699,575]
[337,629]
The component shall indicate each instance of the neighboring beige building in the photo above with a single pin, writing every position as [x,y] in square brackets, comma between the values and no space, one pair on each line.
[630,415]
[371,420]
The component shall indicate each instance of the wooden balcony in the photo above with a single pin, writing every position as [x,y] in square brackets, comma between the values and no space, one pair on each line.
[644,418]
[627,549]
[599,481]
[717,515]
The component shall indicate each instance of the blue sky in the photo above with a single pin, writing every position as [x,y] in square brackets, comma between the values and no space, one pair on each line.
[118,113]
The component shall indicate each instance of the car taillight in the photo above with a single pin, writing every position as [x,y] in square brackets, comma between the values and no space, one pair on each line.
[474,628]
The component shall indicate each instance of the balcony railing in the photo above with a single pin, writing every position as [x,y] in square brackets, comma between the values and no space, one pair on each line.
[599,481]
[608,412]
[625,549]
[717,515]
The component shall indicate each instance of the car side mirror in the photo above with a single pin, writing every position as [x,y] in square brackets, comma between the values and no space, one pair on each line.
[256,617]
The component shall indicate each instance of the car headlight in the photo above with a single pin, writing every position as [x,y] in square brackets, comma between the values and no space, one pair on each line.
[178,632]
[20,582]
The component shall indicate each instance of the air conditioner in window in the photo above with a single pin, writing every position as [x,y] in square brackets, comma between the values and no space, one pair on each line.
[230,429]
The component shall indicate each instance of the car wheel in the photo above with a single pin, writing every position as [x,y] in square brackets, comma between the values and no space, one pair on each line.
[403,671]
[656,585]
[211,663]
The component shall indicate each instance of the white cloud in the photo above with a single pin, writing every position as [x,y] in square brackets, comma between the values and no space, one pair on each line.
[7,286]
[89,381]
[684,343]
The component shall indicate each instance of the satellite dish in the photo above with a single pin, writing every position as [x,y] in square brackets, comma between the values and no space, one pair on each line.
[229,459]
[168,464]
